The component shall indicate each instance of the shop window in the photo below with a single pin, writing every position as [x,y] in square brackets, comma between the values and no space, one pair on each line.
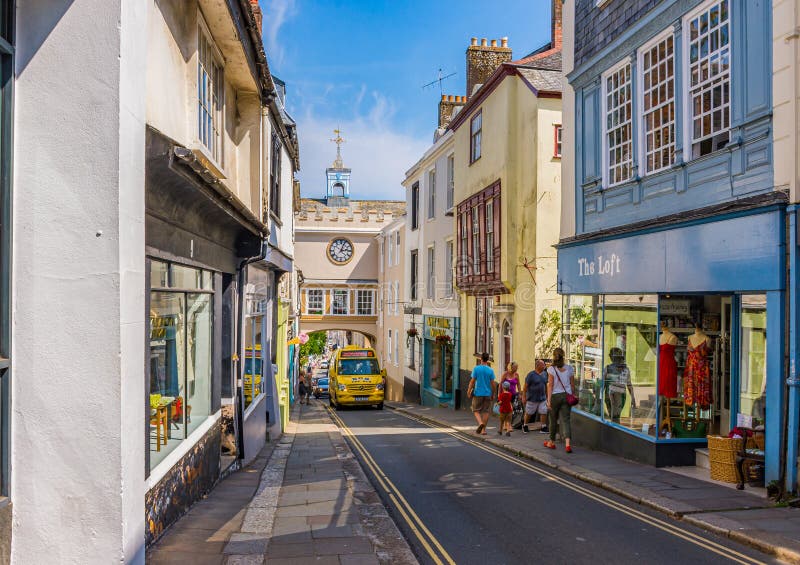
[181,333]
[315,301]
[630,342]
[657,64]
[253,359]
[583,347]
[618,126]
[753,357]
[709,76]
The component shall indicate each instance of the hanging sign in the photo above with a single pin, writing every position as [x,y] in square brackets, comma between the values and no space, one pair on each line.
[438,326]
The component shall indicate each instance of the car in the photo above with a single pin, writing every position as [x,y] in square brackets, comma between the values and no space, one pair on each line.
[321,387]
[324,364]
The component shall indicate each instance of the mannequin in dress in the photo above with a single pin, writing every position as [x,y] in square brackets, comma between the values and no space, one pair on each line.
[697,376]
[667,367]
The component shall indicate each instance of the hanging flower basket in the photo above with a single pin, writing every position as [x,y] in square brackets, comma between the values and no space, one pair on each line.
[411,332]
[444,339]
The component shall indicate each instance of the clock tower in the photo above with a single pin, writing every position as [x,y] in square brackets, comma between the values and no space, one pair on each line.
[338,178]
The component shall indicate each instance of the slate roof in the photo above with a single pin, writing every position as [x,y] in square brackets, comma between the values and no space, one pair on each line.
[543,80]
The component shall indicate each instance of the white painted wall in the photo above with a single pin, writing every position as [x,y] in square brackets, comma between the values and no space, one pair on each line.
[77,454]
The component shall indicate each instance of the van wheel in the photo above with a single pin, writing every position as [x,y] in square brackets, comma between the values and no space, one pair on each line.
[380,406]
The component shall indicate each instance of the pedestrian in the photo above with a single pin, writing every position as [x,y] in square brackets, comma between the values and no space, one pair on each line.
[511,376]
[535,392]
[504,398]
[560,383]
[481,390]
[309,387]
[301,388]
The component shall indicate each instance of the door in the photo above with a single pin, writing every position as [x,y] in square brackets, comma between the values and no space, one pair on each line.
[723,393]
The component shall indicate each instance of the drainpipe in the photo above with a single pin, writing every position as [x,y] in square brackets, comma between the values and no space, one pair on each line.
[792,381]
[239,369]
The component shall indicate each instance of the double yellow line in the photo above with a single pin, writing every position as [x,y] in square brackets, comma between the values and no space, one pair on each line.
[437,553]
[663,525]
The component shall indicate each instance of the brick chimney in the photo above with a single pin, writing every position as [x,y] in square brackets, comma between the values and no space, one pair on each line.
[447,107]
[483,60]
[259,15]
[555,25]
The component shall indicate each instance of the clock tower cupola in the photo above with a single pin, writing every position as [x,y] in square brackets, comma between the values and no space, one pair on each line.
[338,177]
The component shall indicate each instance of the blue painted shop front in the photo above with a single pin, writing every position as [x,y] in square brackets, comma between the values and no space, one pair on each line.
[677,332]
[440,360]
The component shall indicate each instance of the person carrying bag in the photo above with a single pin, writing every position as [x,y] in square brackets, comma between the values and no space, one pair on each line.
[560,398]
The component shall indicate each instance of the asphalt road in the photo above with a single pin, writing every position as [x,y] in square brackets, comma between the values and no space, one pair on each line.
[458,502]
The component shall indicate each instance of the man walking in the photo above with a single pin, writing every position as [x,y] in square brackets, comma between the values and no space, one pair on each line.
[535,390]
[482,388]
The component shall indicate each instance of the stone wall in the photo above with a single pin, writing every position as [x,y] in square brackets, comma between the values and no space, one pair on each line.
[447,107]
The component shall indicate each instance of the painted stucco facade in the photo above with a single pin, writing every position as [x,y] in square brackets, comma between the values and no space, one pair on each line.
[391,335]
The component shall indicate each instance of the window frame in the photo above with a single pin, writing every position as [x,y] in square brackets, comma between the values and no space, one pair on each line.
[625,62]
[397,250]
[489,233]
[475,137]
[642,150]
[217,78]
[332,308]
[307,301]
[430,290]
[451,183]
[472,271]
[431,213]
[361,292]
[275,176]
[413,267]
[415,206]
[558,131]
[449,256]
[688,113]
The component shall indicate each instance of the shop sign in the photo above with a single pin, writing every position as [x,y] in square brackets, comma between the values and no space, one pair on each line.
[437,326]
[735,254]
[674,307]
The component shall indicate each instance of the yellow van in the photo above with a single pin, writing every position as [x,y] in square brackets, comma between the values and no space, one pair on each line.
[356,378]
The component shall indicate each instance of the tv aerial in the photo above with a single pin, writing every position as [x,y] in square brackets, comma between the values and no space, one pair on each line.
[439,80]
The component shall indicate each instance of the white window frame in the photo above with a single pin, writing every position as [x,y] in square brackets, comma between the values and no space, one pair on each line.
[431,194]
[217,79]
[360,293]
[640,92]
[389,345]
[688,113]
[397,253]
[558,139]
[333,301]
[308,298]
[430,283]
[489,231]
[449,255]
[451,181]
[390,256]
[605,146]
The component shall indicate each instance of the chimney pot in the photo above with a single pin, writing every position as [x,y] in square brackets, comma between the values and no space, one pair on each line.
[452,98]
[504,42]
[494,43]
[484,43]
[473,41]
[444,96]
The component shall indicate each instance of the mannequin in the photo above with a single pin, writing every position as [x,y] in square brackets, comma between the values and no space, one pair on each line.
[697,375]
[667,367]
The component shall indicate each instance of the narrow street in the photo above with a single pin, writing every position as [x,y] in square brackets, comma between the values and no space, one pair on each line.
[458,500]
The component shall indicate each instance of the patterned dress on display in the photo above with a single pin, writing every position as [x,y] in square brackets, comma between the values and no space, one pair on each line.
[697,376]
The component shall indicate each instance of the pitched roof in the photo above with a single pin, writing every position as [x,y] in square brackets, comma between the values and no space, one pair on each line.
[549,60]
[544,81]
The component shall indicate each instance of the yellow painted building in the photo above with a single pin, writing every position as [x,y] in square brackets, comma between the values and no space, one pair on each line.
[508,204]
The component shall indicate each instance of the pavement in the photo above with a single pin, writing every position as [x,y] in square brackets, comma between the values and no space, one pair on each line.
[741,516]
[304,499]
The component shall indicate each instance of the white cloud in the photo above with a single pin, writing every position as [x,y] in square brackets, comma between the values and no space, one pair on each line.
[276,13]
[378,153]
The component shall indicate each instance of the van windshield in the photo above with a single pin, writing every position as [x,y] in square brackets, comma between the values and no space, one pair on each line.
[358,367]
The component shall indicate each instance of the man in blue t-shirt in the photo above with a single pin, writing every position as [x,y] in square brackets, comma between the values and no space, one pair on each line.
[535,389]
[482,388]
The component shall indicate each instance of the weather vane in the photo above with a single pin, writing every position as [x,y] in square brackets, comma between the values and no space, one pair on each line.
[338,140]
[439,80]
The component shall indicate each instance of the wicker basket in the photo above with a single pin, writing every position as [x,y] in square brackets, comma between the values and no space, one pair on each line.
[722,452]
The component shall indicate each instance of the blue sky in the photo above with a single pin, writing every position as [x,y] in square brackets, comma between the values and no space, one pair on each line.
[361,64]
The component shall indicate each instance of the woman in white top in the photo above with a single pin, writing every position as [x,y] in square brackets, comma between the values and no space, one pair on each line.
[560,382]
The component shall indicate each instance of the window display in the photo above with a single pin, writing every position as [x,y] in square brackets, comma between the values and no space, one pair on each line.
[582,319]
[253,382]
[753,358]
[181,330]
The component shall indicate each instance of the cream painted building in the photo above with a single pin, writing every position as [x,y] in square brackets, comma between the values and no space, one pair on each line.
[507,205]
[392,338]
[432,305]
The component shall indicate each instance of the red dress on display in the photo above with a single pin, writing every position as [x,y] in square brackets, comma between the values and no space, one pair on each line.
[667,371]
[697,376]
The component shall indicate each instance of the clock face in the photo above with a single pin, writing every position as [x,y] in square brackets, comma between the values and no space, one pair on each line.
[340,250]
